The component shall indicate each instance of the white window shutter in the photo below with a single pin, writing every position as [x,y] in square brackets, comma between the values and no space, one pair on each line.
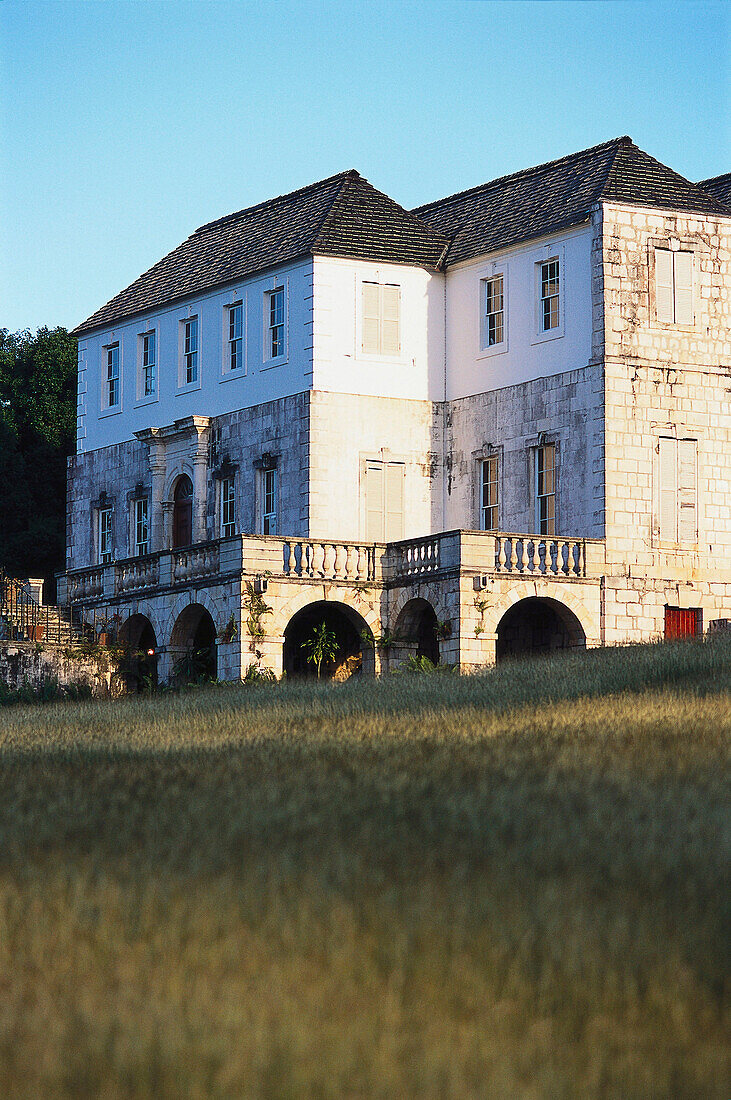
[371,318]
[664,284]
[391,317]
[394,501]
[687,493]
[374,501]
[668,495]
[683,288]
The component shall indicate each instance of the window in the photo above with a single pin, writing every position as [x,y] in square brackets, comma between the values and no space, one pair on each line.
[677,495]
[489,493]
[275,321]
[105,535]
[381,319]
[550,290]
[384,501]
[190,351]
[674,286]
[269,502]
[112,375]
[546,489]
[493,311]
[228,508]
[235,336]
[142,540]
[148,364]
[683,622]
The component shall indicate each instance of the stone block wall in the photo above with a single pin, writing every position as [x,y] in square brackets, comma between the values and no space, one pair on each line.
[26,663]
[664,379]
[568,409]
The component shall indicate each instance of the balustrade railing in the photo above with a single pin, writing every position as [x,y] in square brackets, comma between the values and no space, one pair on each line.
[137,573]
[540,554]
[85,585]
[416,557]
[335,561]
[198,561]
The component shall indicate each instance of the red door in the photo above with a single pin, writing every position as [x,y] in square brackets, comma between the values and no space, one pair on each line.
[683,622]
[183,513]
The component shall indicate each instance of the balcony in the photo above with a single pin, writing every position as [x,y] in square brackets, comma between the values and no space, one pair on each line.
[349,563]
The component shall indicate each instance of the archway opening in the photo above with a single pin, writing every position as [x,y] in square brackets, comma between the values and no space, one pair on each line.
[415,632]
[182,512]
[351,637]
[193,646]
[138,664]
[536,625]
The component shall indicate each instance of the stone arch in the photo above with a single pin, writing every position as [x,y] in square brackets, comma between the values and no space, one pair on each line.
[184,600]
[179,469]
[429,593]
[521,591]
[193,643]
[303,597]
[138,664]
[538,625]
[415,631]
[354,653]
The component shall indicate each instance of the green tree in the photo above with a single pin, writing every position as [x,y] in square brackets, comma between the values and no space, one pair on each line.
[37,431]
[321,646]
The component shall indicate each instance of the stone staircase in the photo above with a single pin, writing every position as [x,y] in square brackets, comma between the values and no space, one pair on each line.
[23,618]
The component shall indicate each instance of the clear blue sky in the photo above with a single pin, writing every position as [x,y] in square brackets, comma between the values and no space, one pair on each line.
[124,126]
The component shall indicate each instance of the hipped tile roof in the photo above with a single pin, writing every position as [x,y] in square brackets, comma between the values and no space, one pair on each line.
[345,215]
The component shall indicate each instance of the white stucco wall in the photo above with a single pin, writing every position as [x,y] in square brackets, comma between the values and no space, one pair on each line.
[339,362]
[524,354]
[219,391]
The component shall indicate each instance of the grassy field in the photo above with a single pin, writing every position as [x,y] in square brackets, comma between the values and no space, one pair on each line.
[507,885]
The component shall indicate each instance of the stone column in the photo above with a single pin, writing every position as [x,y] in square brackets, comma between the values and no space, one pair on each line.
[167,524]
[200,463]
[157,519]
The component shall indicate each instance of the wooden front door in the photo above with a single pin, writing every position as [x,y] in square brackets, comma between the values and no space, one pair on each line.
[183,513]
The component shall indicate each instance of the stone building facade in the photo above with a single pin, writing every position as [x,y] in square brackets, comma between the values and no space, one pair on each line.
[497,424]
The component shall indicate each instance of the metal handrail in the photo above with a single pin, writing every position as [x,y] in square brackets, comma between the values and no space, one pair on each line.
[23,619]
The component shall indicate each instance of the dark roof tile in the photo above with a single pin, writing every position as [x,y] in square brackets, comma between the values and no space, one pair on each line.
[719,187]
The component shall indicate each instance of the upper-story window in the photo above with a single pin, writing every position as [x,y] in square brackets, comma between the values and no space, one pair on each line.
[105,535]
[111,376]
[228,507]
[489,493]
[677,496]
[674,286]
[550,295]
[275,323]
[141,526]
[190,351]
[148,371]
[269,502]
[545,481]
[493,311]
[235,336]
[381,327]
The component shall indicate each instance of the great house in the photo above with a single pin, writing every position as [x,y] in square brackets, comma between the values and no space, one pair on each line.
[495,424]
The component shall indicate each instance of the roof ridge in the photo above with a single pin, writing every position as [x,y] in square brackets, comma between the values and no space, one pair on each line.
[619,141]
[714,179]
[349,173]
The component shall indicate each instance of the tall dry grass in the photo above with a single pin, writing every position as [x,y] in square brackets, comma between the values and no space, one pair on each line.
[509,885]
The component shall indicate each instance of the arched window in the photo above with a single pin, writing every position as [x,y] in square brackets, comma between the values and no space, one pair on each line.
[183,512]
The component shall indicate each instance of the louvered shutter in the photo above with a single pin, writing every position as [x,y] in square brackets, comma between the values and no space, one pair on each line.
[374,501]
[390,344]
[394,501]
[371,318]
[683,288]
[664,284]
[687,503]
[668,490]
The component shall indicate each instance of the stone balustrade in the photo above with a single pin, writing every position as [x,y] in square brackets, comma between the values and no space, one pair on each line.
[137,573]
[540,554]
[334,561]
[415,557]
[85,584]
[195,562]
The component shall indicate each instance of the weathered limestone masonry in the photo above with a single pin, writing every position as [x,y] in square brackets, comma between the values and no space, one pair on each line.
[28,663]
[566,408]
[672,381]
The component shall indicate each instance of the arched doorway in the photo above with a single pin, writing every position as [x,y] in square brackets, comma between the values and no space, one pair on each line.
[537,625]
[183,512]
[352,641]
[138,665]
[415,632]
[193,646]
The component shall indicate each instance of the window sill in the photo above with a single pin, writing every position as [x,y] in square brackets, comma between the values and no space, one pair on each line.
[233,375]
[189,387]
[496,349]
[268,364]
[110,412]
[152,400]
[544,337]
